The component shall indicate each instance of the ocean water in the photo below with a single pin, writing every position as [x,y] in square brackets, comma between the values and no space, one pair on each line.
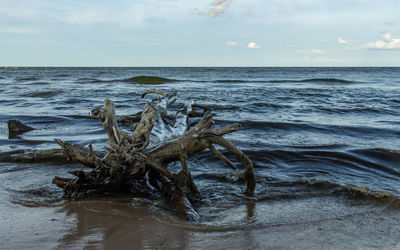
[324,142]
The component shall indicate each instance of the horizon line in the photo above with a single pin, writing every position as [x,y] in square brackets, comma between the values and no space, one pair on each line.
[90,66]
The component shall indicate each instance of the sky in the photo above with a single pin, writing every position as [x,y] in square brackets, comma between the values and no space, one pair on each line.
[200,33]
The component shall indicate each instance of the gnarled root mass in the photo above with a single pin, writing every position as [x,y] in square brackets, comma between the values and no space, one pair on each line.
[137,163]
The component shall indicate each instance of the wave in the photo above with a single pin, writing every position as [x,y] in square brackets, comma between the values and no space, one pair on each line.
[350,191]
[326,80]
[367,194]
[43,94]
[315,80]
[40,197]
[358,110]
[32,78]
[234,81]
[152,80]
[343,130]
[310,80]
[287,126]
[149,80]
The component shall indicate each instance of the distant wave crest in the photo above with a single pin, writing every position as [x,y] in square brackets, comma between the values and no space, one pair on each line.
[310,80]
[316,80]
[151,80]
[148,80]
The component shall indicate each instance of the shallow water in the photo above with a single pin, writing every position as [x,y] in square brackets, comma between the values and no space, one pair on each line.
[324,143]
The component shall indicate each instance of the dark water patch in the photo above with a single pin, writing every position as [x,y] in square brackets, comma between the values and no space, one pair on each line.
[44,94]
[151,80]
[88,79]
[326,80]
[32,78]
[359,131]
[337,161]
[33,120]
[267,105]
[314,80]
[359,110]
[340,166]
[148,80]
[388,155]
[222,107]
[249,80]
[319,147]
[278,125]
[232,81]
[39,83]
[366,132]
[95,80]
[62,75]
[354,161]
[73,101]
[394,100]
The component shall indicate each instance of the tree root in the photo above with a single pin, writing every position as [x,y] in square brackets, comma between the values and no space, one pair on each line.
[130,165]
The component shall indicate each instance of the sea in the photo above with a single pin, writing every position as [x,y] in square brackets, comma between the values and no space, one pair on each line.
[324,143]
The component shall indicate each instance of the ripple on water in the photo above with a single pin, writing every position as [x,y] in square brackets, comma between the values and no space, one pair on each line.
[44,94]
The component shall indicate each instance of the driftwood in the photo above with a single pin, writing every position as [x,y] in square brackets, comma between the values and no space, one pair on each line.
[16,127]
[137,163]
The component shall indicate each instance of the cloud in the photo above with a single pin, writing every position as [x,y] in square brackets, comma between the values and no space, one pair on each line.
[311,51]
[342,41]
[18,30]
[253,45]
[125,14]
[317,51]
[231,43]
[389,23]
[219,7]
[387,42]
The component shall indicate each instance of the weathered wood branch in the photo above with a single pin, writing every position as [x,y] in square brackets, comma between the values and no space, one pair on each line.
[74,152]
[222,157]
[137,163]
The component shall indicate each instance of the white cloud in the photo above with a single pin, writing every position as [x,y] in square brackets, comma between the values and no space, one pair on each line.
[386,36]
[219,7]
[18,30]
[342,41]
[387,42]
[317,51]
[231,43]
[126,13]
[291,45]
[253,45]
[311,51]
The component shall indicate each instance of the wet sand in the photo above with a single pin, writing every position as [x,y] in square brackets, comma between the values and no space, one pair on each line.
[116,224]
